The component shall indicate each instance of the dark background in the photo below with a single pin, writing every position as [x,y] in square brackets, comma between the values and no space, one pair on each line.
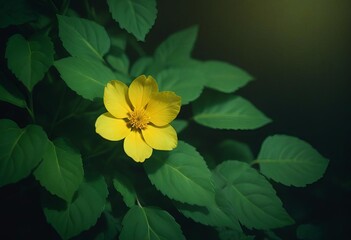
[299,53]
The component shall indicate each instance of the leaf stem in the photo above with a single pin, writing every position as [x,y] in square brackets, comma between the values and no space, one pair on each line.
[30,108]
[254,162]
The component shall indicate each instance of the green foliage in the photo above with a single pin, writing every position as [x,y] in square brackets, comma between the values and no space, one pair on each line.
[21,150]
[221,111]
[61,171]
[79,214]
[83,38]
[87,78]
[185,171]
[245,195]
[291,161]
[88,184]
[30,59]
[136,16]
[149,223]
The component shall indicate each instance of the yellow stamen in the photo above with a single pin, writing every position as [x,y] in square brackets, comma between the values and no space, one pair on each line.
[138,119]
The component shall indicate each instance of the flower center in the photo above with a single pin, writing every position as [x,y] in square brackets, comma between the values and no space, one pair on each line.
[138,119]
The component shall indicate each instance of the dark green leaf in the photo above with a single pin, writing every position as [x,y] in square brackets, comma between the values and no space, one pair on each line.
[9,93]
[177,47]
[181,174]
[149,224]
[87,78]
[309,232]
[136,16]
[291,161]
[179,125]
[21,150]
[226,111]
[230,234]
[185,82]
[61,171]
[15,12]
[83,38]
[244,194]
[112,227]
[119,62]
[29,60]
[231,149]
[224,77]
[70,219]
[126,189]
[140,66]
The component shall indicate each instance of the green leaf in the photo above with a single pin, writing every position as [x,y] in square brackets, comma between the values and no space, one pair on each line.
[176,47]
[226,111]
[224,77]
[140,66]
[21,150]
[244,194]
[309,232]
[9,93]
[135,16]
[179,125]
[111,229]
[87,78]
[210,215]
[149,224]
[83,38]
[15,12]
[181,174]
[231,149]
[291,161]
[119,62]
[230,234]
[70,219]
[29,60]
[61,171]
[126,189]
[185,82]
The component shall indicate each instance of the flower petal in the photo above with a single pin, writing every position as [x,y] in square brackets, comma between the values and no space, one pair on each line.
[160,138]
[140,91]
[111,128]
[136,148]
[163,108]
[116,99]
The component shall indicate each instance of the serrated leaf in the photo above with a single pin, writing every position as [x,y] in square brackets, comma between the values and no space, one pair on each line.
[210,215]
[70,219]
[126,189]
[244,194]
[136,16]
[226,111]
[291,161]
[149,224]
[185,82]
[224,77]
[21,150]
[181,174]
[176,47]
[15,12]
[9,93]
[87,78]
[29,60]
[83,38]
[61,171]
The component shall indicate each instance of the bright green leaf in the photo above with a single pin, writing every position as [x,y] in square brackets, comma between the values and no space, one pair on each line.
[149,224]
[87,78]
[126,189]
[226,111]
[244,194]
[185,82]
[83,38]
[291,161]
[224,77]
[61,170]
[21,150]
[136,16]
[181,174]
[119,63]
[176,47]
[15,12]
[210,215]
[70,219]
[9,93]
[29,60]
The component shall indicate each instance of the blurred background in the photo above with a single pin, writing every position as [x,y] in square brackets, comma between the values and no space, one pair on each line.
[299,53]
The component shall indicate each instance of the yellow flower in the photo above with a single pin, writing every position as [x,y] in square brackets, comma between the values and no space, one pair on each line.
[140,115]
